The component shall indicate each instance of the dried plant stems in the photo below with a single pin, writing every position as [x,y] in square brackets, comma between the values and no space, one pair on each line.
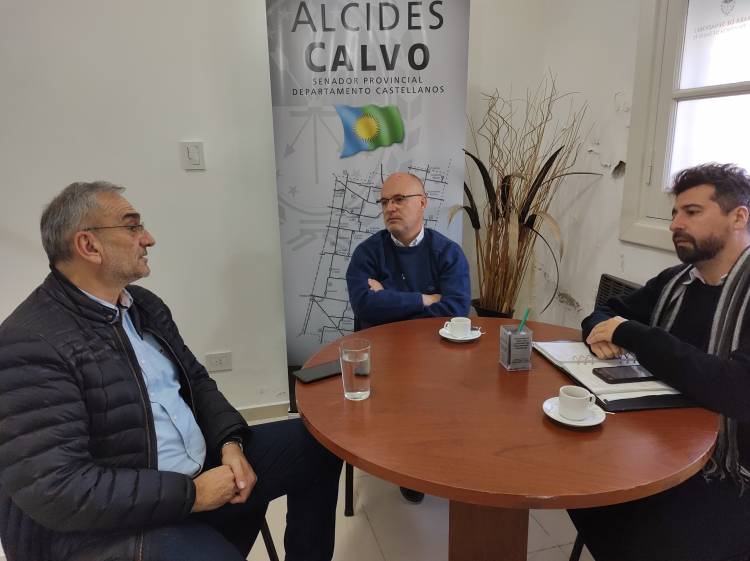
[525,163]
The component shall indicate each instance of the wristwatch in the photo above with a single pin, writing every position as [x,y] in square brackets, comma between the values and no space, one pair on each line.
[234,440]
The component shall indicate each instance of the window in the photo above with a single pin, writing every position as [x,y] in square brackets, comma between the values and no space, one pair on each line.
[692,104]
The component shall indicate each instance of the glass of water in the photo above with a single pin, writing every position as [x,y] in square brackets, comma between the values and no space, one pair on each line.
[355,368]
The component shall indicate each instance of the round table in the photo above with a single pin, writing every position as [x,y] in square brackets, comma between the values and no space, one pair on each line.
[446,419]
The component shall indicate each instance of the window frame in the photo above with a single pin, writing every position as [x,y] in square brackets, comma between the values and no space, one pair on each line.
[645,206]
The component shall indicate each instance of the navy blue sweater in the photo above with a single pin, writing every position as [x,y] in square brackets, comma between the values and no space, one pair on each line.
[436,266]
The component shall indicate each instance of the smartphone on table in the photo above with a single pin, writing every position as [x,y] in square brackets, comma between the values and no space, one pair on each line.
[318,372]
[623,374]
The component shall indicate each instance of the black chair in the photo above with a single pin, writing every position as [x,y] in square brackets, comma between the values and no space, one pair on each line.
[268,541]
[609,287]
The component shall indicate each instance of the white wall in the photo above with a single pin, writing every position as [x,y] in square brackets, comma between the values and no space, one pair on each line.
[105,90]
[591,48]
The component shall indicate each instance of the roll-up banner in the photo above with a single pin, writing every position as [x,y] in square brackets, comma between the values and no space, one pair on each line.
[360,90]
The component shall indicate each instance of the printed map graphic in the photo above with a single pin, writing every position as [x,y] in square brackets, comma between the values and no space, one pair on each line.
[354,216]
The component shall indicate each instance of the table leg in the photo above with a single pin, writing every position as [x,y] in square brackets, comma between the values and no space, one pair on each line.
[484,533]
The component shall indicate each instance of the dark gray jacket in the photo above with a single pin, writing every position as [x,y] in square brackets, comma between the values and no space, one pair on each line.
[78,460]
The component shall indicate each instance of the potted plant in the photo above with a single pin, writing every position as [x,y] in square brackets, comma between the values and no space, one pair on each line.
[529,151]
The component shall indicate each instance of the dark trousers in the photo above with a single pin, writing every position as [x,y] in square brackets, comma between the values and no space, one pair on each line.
[695,521]
[288,461]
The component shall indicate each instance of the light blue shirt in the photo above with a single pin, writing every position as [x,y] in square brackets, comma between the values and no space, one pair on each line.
[180,443]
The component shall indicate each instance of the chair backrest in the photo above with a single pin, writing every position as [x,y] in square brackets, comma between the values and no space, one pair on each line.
[610,286]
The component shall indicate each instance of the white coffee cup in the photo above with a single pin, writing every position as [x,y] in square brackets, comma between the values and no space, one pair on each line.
[574,402]
[458,327]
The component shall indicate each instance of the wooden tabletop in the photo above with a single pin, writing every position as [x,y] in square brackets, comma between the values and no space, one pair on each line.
[446,419]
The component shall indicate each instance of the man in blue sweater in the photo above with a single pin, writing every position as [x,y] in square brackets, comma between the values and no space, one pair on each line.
[407,271]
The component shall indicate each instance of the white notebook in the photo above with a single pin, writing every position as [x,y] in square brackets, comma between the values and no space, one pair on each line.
[575,358]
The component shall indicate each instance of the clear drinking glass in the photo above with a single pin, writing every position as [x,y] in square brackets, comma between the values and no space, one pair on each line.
[355,368]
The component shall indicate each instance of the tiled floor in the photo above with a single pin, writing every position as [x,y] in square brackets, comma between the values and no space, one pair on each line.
[386,528]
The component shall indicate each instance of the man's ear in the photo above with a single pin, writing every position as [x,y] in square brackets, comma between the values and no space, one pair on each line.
[741,217]
[87,247]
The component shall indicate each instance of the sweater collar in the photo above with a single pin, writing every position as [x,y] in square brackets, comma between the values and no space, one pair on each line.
[415,242]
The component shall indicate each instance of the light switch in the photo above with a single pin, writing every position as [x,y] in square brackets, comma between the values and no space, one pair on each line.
[191,156]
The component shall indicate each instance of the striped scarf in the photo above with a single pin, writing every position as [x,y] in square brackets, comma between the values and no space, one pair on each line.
[725,337]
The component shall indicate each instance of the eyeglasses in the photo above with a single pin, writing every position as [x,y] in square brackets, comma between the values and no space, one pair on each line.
[398,200]
[132,228]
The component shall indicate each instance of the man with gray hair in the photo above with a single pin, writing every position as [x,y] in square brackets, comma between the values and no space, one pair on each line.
[406,271]
[114,441]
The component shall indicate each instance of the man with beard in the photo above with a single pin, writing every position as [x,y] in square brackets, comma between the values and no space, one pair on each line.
[688,326]
[115,443]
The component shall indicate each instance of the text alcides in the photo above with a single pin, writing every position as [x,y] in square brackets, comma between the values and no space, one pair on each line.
[355,16]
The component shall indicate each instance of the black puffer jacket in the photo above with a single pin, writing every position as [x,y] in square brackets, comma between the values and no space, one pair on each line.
[78,461]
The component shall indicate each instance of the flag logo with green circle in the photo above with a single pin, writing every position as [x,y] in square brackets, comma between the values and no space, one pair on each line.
[369,127]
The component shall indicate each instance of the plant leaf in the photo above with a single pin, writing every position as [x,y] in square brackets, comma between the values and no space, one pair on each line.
[538,181]
[469,196]
[472,211]
[488,186]
[557,270]
[551,223]
[505,188]
[473,216]
[455,209]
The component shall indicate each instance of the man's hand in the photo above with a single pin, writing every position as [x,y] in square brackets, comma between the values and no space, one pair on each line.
[600,338]
[375,286]
[244,475]
[214,488]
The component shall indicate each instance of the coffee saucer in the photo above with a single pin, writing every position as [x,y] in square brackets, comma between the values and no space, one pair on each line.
[473,334]
[595,415]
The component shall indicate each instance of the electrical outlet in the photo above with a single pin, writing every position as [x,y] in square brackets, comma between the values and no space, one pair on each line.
[219,362]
